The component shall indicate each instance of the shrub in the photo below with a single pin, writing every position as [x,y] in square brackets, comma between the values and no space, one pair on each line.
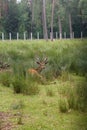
[77,96]
[31,87]
[63,105]
[6,78]
[82,95]
[72,99]
[64,76]
[18,84]
[25,86]
[50,92]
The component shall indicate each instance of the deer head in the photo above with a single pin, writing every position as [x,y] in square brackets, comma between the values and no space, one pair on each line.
[42,64]
[4,65]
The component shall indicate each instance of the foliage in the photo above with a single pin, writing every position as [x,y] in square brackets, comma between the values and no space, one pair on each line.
[18,84]
[50,92]
[63,96]
[25,86]
[27,17]
[63,105]
[64,57]
[6,78]
[11,20]
[43,111]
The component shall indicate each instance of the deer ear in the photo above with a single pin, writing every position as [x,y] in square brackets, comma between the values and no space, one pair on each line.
[46,62]
[38,62]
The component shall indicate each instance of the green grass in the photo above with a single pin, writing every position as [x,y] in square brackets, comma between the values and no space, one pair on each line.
[41,111]
[68,54]
[65,85]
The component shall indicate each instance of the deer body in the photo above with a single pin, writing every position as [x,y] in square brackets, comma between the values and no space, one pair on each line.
[34,72]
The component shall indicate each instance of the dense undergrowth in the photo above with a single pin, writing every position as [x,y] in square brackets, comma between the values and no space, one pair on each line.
[64,57]
[70,55]
[33,103]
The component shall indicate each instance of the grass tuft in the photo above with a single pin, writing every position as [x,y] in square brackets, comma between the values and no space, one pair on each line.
[63,105]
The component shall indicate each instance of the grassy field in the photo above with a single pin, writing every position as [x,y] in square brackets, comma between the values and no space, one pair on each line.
[60,103]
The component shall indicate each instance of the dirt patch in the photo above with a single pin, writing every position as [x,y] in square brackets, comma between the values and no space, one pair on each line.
[5,121]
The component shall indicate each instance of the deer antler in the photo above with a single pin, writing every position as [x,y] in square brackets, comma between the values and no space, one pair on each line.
[45,60]
[37,60]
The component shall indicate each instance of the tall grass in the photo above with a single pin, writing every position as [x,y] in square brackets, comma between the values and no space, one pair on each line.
[63,56]
[21,85]
[6,78]
[70,55]
[73,93]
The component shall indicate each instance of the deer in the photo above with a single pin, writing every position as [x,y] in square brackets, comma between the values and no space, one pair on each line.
[38,70]
[4,66]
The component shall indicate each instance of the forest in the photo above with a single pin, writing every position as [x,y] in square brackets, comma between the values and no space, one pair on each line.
[48,18]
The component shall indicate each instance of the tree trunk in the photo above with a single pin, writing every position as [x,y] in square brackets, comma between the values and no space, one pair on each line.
[45,34]
[60,27]
[52,18]
[32,13]
[0,15]
[70,26]
[0,9]
[32,10]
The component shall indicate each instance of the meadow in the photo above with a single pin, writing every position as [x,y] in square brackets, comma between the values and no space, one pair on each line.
[56,102]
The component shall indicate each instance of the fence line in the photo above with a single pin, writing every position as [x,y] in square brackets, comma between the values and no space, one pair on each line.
[10,36]
[57,36]
[3,37]
[81,35]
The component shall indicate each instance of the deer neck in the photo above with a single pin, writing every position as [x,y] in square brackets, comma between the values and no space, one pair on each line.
[39,69]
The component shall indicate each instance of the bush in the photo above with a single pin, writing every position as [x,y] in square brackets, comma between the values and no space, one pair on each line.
[50,92]
[82,95]
[77,96]
[18,84]
[63,105]
[6,78]
[31,88]
[72,99]
[25,86]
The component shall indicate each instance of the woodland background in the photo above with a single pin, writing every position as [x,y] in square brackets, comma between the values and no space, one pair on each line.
[45,17]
